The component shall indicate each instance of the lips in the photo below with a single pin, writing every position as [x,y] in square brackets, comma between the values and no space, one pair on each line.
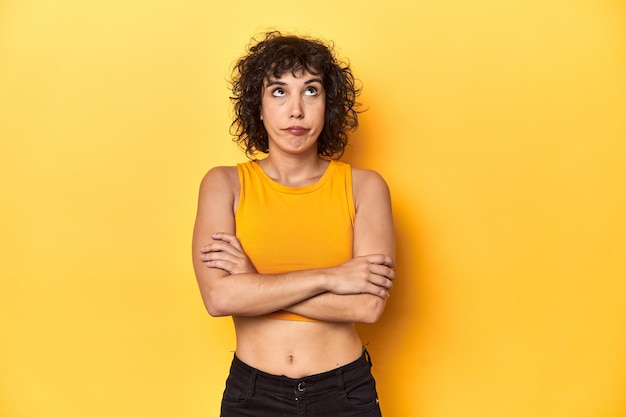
[296,130]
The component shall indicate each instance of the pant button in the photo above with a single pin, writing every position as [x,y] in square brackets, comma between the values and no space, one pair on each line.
[301,386]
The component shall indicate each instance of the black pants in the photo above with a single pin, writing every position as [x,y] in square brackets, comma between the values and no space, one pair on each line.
[348,391]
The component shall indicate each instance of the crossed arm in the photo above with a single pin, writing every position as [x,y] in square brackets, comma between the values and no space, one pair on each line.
[355,291]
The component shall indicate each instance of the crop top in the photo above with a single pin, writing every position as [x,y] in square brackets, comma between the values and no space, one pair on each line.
[284,229]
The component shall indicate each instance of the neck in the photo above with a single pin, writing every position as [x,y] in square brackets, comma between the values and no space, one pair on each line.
[294,171]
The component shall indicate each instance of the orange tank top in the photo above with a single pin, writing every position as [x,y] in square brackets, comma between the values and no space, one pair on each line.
[285,229]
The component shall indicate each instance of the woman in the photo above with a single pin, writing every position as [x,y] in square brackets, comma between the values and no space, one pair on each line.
[296,247]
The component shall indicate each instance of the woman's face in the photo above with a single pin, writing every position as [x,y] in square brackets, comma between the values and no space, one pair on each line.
[292,110]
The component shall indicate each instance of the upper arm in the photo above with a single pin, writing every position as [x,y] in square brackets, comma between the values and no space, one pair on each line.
[218,195]
[373,224]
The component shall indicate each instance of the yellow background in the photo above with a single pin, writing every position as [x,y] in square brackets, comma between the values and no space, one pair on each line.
[499,125]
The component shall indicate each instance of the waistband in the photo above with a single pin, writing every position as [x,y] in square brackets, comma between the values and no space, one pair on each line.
[282,385]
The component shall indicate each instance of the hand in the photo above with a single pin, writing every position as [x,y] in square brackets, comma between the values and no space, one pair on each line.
[370,274]
[226,253]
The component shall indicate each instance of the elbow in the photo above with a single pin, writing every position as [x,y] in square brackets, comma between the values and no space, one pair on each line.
[371,311]
[215,306]
[214,311]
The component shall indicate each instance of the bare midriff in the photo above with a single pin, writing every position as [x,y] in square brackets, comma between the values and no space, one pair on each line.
[294,348]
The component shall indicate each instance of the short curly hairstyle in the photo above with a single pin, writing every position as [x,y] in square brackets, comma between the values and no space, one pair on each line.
[273,56]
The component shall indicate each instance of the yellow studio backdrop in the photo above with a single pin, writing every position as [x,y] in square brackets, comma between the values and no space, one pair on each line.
[499,125]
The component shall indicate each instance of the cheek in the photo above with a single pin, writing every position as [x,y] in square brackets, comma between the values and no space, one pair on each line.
[267,114]
[322,114]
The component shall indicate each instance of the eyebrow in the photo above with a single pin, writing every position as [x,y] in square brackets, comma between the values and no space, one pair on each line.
[307,82]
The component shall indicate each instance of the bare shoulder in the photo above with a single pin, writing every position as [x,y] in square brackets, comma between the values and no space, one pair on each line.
[222,178]
[220,188]
[368,183]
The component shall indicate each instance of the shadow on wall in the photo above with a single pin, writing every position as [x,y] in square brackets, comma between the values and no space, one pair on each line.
[398,331]
[399,326]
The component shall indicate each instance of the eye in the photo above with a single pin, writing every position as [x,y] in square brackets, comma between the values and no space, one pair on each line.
[278,92]
[311,91]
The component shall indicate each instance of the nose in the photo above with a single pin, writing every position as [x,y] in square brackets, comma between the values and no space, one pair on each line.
[296,111]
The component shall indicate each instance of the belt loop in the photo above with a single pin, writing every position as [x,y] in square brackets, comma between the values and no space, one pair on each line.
[340,383]
[368,358]
[253,382]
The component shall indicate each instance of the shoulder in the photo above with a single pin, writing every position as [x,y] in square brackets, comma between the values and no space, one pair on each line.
[369,189]
[220,174]
[367,179]
[222,178]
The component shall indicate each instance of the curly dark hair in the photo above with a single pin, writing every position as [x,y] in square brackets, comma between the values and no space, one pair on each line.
[272,57]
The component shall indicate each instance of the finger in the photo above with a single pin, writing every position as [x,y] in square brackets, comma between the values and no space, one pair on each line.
[379,292]
[380,259]
[383,271]
[221,264]
[382,282]
[220,256]
[376,285]
[221,247]
[228,238]
[388,262]
[214,247]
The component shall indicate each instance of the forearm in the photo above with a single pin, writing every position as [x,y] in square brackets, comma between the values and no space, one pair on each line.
[252,294]
[227,291]
[354,308]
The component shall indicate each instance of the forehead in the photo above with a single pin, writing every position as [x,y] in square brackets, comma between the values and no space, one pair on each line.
[293,77]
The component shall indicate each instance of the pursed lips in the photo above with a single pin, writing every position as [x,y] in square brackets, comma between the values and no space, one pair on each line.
[297,130]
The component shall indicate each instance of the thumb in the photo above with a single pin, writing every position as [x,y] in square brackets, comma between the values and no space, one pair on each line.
[381,259]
